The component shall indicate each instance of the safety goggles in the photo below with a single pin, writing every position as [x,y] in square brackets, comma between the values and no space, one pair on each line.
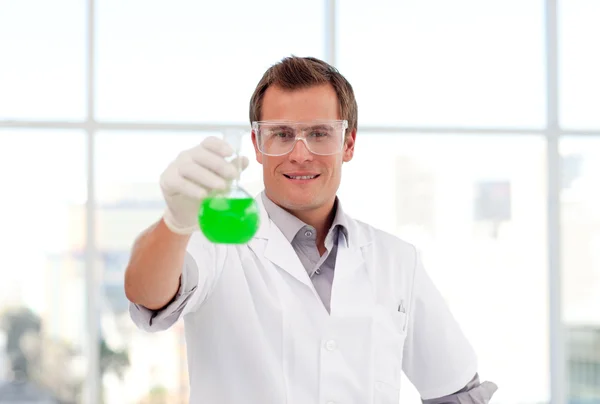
[277,138]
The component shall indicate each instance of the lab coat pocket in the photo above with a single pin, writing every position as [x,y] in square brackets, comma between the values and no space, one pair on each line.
[388,336]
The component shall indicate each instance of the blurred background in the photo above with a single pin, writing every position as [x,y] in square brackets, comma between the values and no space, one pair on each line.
[479,141]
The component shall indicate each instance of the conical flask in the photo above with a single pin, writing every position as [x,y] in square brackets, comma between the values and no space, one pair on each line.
[231,216]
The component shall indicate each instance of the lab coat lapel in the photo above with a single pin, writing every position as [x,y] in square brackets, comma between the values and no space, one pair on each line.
[348,260]
[270,242]
[350,256]
[351,289]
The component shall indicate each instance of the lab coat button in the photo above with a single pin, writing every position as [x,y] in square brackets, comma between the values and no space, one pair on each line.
[330,345]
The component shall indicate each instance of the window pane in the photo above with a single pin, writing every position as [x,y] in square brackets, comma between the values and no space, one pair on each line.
[42,283]
[42,62]
[579,63]
[194,61]
[476,207]
[129,200]
[580,204]
[459,63]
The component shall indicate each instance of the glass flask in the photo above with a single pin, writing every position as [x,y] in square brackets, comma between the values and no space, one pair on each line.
[230,216]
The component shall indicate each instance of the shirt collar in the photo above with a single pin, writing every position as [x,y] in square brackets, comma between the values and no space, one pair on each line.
[290,225]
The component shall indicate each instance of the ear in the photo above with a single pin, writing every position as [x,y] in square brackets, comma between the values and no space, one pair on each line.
[349,146]
[259,155]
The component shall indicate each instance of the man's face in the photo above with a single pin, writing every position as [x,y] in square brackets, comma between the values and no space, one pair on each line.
[308,104]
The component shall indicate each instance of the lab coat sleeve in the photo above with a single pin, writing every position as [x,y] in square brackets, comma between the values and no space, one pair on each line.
[438,359]
[162,319]
[473,393]
[201,267]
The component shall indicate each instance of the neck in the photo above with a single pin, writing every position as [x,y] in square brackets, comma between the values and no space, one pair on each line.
[320,218]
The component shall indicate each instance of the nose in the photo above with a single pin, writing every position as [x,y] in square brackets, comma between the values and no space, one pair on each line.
[300,152]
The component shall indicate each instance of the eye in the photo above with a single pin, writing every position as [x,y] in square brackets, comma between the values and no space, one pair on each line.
[319,134]
[280,134]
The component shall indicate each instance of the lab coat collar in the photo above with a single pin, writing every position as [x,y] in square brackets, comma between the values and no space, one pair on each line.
[356,236]
[290,225]
[271,243]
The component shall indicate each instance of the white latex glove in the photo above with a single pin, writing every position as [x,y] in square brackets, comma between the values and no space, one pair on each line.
[191,177]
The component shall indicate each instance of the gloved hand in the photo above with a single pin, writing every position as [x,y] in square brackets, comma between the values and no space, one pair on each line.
[191,177]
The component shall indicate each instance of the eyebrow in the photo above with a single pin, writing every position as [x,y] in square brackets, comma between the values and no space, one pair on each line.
[279,127]
[321,126]
[312,127]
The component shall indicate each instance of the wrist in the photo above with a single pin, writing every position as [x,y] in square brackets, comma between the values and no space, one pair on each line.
[178,226]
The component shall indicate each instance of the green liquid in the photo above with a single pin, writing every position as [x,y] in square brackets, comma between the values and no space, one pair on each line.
[229,220]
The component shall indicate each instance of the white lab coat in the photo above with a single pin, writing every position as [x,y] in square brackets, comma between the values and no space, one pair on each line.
[257,331]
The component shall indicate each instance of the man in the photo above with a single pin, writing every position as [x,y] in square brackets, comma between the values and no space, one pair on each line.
[317,307]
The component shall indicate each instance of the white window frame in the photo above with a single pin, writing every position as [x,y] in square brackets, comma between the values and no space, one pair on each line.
[552,132]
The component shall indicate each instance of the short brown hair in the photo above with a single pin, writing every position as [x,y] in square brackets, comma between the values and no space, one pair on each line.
[300,72]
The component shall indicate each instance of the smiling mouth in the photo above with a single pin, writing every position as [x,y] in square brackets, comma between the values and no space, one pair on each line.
[301,177]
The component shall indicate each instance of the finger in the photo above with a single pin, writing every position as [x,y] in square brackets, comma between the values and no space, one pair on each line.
[214,162]
[202,176]
[217,146]
[241,161]
[191,190]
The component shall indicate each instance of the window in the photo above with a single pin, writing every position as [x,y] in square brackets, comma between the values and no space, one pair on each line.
[42,288]
[580,199]
[170,66]
[579,64]
[42,62]
[463,63]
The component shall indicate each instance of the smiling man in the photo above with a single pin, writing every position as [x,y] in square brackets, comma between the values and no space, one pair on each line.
[317,307]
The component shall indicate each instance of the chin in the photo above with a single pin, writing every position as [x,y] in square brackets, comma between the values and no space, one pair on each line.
[299,201]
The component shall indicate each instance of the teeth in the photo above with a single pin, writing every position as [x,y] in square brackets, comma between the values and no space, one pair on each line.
[302,177]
